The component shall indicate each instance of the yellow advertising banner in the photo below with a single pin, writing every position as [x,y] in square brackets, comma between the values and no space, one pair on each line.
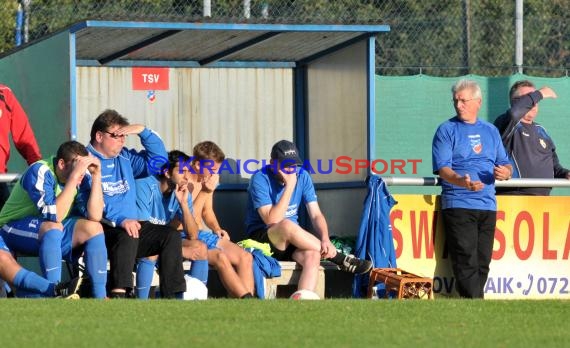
[530,254]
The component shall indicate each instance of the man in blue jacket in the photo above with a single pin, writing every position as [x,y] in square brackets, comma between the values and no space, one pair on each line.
[126,237]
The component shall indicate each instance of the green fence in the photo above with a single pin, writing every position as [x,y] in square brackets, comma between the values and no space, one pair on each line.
[43,91]
[409,109]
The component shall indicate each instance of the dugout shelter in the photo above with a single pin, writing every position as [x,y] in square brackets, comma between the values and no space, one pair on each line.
[244,86]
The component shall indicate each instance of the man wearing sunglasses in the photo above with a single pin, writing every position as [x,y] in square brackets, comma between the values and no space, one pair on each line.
[126,237]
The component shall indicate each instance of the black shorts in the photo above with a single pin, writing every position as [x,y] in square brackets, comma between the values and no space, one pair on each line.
[280,255]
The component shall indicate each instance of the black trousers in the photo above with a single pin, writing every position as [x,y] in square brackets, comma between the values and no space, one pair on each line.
[470,235]
[163,241]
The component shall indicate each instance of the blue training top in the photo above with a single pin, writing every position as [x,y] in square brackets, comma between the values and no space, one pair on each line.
[473,149]
[265,189]
[118,176]
[155,207]
[36,193]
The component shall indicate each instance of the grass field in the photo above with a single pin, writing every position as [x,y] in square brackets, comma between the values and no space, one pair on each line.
[284,323]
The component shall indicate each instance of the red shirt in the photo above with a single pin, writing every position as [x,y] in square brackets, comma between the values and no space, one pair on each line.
[13,119]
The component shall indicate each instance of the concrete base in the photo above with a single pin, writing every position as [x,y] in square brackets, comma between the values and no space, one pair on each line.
[334,283]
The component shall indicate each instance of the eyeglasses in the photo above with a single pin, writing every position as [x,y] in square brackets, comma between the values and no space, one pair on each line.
[115,135]
[462,101]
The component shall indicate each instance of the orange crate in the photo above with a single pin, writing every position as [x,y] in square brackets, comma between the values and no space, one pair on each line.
[405,284]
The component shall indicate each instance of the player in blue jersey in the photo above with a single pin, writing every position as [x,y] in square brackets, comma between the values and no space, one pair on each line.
[126,237]
[469,156]
[275,196]
[36,219]
[159,201]
[176,206]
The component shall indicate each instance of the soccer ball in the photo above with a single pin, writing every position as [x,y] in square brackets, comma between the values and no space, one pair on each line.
[195,289]
[304,295]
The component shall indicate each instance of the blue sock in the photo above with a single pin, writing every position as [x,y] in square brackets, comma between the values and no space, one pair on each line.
[145,272]
[29,282]
[96,264]
[199,270]
[50,255]
[6,287]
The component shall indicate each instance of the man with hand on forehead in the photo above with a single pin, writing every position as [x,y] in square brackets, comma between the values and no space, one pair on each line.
[127,238]
[531,150]
[36,219]
[275,195]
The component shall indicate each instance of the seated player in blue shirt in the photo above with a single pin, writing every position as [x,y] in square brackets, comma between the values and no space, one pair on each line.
[161,201]
[36,221]
[167,199]
[276,194]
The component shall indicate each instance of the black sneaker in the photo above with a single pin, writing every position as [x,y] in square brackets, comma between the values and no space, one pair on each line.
[68,290]
[355,265]
[117,295]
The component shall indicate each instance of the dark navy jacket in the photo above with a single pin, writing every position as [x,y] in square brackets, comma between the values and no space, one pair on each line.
[531,150]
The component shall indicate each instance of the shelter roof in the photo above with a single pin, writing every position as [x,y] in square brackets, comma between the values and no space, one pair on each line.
[208,43]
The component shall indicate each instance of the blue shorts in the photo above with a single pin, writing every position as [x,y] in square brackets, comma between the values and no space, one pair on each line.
[22,236]
[209,238]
